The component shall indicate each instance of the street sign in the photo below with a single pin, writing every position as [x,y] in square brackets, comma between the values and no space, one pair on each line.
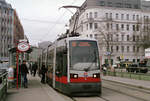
[23,46]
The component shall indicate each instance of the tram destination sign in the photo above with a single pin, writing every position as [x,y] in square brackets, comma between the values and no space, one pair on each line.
[23,46]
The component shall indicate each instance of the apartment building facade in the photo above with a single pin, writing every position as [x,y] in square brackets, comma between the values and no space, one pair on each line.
[116,24]
[11,29]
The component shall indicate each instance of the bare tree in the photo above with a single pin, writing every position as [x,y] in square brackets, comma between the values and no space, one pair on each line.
[106,37]
[141,35]
[143,26]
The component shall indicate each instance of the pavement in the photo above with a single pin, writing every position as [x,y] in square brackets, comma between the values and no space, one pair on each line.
[36,91]
[131,82]
[43,92]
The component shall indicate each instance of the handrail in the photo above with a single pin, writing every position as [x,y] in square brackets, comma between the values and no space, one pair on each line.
[3,74]
[3,86]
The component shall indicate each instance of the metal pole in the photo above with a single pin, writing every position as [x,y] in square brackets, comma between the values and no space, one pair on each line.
[17,53]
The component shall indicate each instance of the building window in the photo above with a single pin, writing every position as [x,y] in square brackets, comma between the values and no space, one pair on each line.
[95,14]
[128,6]
[117,48]
[107,26]
[91,15]
[137,17]
[133,27]
[128,49]
[91,35]
[117,37]
[95,36]
[137,49]
[117,16]
[87,15]
[95,25]
[106,14]
[137,38]
[122,16]
[136,6]
[122,26]
[133,48]
[82,28]
[137,27]
[127,27]
[127,16]
[87,26]
[122,48]
[111,48]
[133,17]
[110,15]
[108,37]
[111,25]
[133,37]
[110,4]
[128,38]
[91,25]
[117,26]
[119,5]
[102,3]
[111,37]
[122,37]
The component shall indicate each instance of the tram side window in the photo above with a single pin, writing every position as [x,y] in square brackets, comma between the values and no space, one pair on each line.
[61,61]
[64,63]
[50,60]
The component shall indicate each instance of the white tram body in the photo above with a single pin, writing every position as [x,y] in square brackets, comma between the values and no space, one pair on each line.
[74,66]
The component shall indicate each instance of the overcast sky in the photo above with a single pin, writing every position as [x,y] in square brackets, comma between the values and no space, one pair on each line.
[41,19]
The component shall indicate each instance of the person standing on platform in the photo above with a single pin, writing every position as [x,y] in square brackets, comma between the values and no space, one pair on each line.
[34,68]
[24,72]
[43,72]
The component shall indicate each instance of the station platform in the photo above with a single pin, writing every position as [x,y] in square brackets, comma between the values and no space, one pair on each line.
[36,91]
[131,82]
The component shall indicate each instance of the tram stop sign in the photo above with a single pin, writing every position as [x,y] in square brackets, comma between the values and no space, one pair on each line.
[23,46]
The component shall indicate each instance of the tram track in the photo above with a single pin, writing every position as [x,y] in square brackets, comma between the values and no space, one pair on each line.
[89,99]
[137,93]
[115,92]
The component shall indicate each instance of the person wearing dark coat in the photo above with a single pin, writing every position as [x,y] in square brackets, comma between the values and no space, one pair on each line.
[43,72]
[24,72]
[34,68]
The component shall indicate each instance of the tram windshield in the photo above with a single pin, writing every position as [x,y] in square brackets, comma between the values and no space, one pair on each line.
[84,55]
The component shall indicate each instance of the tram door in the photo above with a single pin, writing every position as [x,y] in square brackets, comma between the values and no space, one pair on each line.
[59,68]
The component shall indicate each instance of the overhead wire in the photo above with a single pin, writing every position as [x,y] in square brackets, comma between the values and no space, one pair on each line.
[40,21]
[52,27]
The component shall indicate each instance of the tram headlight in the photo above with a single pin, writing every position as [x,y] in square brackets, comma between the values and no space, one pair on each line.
[74,76]
[96,75]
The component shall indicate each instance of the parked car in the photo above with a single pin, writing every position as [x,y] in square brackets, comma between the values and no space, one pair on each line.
[114,66]
[141,68]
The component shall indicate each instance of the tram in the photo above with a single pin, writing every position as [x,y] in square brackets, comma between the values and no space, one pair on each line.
[74,66]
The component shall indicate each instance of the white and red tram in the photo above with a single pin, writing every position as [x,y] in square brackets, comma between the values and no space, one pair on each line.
[74,66]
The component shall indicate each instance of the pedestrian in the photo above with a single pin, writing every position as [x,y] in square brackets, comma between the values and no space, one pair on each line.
[104,70]
[34,68]
[43,72]
[30,68]
[24,72]
[10,77]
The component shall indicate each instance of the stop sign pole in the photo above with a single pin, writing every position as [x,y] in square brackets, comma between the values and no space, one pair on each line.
[21,47]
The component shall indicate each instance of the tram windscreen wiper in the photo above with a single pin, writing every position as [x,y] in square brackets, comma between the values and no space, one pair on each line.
[93,62]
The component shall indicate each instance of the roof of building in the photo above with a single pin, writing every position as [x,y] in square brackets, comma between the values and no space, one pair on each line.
[132,4]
